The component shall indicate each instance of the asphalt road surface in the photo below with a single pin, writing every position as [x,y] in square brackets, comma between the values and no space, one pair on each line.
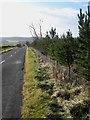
[12,79]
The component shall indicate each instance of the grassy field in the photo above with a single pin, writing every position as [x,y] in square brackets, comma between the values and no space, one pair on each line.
[6,47]
[5,50]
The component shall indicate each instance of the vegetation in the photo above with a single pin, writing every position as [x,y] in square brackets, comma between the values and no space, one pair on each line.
[5,50]
[19,45]
[44,98]
[84,43]
[47,92]
[6,47]
[67,50]
[35,102]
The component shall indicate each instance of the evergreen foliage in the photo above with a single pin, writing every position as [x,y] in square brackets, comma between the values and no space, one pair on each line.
[84,42]
[67,50]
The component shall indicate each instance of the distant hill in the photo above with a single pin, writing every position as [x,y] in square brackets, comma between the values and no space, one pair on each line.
[15,40]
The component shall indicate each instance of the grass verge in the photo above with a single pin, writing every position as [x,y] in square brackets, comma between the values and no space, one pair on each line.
[35,101]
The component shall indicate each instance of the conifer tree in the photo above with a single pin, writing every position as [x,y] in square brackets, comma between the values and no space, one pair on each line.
[47,35]
[84,42]
[67,52]
[52,32]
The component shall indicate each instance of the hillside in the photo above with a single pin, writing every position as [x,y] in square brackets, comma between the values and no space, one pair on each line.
[15,40]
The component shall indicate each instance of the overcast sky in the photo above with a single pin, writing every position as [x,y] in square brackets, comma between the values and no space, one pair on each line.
[16,15]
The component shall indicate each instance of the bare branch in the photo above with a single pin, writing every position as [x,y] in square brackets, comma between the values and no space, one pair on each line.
[40,29]
[34,30]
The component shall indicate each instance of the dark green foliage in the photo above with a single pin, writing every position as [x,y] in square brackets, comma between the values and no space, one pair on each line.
[81,110]
[27,43]
[45,86]
[64,94]
[67,51]
[84,43]
[77,91]
[55,107]
[60,49]
[52,32]
[41,74]
[19,45]
[43,81]
[57,110]
[55,117]
[47,35]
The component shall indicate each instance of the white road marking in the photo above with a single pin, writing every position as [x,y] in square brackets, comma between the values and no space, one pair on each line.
[11,55]
[2,62]
[15,52]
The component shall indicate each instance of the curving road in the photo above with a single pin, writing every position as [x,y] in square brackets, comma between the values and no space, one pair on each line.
[12,79]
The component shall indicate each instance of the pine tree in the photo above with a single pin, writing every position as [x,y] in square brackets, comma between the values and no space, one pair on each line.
[84,42]
[52,32]
[47,35]
[67,52]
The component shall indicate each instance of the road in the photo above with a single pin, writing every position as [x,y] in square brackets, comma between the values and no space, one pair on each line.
[12,79]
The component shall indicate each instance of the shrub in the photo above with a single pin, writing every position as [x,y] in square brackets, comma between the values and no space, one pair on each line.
[81,110]
[46,87]
[41,74]
[43,86]
[65,94]
[55,116]
[19,45]
[77,91]
[55,107]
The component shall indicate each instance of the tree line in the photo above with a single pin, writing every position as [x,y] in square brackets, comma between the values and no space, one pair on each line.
[68,50]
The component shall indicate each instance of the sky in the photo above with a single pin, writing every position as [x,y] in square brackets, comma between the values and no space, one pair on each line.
[17,15]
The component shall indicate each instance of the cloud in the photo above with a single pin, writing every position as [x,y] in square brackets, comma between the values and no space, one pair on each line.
[85,5]
[16,17]
[63,19]
[77,1]
[43,1]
